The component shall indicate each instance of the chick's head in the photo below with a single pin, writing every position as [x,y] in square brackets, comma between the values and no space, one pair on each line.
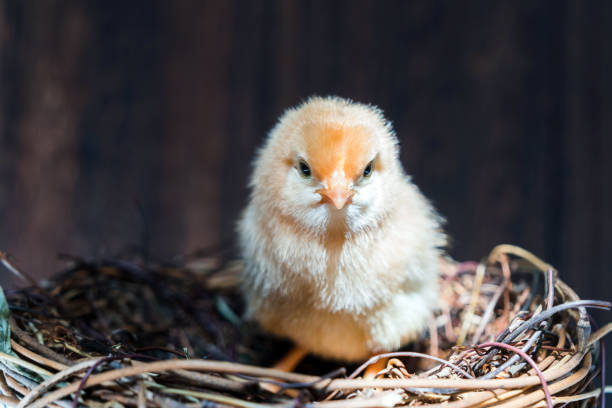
[329,160]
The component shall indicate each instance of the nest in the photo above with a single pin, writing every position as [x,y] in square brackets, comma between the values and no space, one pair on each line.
[508,333]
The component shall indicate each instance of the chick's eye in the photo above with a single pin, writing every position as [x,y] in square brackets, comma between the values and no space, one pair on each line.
[304,169]
[367,172]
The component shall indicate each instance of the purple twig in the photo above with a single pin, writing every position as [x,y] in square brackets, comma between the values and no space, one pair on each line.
[531,363]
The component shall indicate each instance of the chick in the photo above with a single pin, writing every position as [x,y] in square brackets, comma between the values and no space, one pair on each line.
[341,249]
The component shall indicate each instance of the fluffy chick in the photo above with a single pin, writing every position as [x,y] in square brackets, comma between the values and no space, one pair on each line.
[341,249]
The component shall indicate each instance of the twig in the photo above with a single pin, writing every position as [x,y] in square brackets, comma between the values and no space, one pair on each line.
[531,323]
[572,398]
[77,394]
[600,333]
[467,320]
[535,396]
[383,399]
[602,398]
[161,366]
[218,383]
[30,342]
[235,402]
[597,336]
[16,381]
[549,303]
[33,356]
[521,253]
[535,336]
[463,384]
[25,364]
[23,276]
[532,363]
[4,388]
[489,312]
[503,259]
[309,384]
[522,301]
[56,378]
[142,394]
[376,358]
[9,401]
[550,291]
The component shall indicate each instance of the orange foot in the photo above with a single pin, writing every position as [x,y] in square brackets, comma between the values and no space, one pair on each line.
[287,364]
[291,359]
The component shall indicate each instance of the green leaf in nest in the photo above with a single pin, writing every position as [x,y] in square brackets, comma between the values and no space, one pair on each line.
[226,311]
[5,339]
[5,327]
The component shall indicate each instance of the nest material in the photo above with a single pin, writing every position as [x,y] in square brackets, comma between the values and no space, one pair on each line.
[508,333]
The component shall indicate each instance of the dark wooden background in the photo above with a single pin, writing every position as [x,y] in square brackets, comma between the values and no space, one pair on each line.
[133,124]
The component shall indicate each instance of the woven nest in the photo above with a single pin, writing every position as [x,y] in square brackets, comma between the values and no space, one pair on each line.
[508,333]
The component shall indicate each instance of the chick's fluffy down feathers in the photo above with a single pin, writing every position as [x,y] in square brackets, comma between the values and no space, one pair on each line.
[342,283]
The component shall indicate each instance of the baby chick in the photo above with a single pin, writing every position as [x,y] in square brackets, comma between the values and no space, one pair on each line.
[341,249]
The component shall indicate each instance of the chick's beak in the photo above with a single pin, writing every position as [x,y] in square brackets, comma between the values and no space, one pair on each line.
[338,195]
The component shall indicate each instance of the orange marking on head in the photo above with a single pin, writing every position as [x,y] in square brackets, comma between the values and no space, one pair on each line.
[336,151]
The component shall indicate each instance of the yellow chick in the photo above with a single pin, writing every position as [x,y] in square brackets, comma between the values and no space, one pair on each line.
[341,249]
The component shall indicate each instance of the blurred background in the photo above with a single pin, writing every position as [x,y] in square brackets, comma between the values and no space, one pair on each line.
[132,125]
